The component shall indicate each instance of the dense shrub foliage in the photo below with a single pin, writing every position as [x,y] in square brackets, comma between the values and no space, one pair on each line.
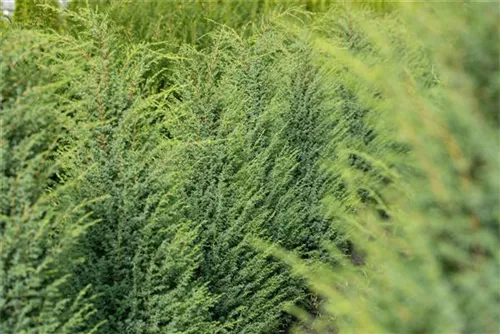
[39,223]
[249,167]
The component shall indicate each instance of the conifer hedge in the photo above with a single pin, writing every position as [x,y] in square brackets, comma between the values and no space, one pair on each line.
[178,167]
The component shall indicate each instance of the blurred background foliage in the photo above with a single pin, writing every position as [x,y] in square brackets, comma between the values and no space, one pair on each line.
[178,21]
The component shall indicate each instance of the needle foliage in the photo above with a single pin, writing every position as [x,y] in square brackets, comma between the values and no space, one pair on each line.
[249,167]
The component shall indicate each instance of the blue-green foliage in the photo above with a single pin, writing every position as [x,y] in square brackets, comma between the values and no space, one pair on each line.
[253,124]
[120,141]
[222,151]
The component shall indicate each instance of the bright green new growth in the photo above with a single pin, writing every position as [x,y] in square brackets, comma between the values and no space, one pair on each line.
[37,13]
[332,172]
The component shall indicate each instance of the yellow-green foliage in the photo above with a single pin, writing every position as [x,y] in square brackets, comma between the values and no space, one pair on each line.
[189,21]
[37,13]
[430,263]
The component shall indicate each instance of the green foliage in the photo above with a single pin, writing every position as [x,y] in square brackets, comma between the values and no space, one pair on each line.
[115,117]
[38,227]
[178,22]
[143,223]
[253,124]
[430,264]
[249,167]
[37,13]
